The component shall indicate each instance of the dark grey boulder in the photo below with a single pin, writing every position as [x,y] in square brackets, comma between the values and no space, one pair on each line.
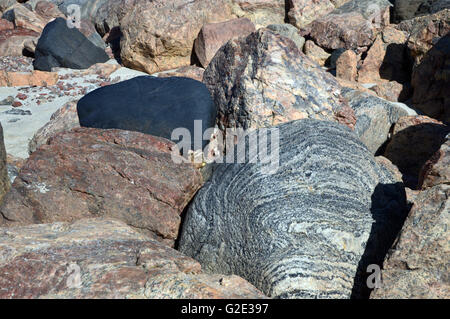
[150,105]
[61,46]
[310,229]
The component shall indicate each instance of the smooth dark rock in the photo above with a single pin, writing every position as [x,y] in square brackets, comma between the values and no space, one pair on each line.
[150,105]
[61,46]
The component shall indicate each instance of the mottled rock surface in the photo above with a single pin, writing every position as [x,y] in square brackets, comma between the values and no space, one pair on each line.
[316,53]
[289,31]
[418,264]
[99,258]
[436,170]
[34,78]
[307,230]
[4,180]
[260,12]
[12,42]
[264,80]
[191,71]
[90,173]
[409,9]
[346,66]
[303,12]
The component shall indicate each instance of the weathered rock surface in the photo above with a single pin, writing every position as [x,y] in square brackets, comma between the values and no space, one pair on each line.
[25,18]
[418,264]
[260,12]
[48,10]
[289,31]
[159,35]
[91,173]
[375,117]
[392,90]
[431,80]
[151,105]
[35,78]
[409,9]
[264,80]
[303,12]
[436,170]
[191,71]
[213,35]
[346,66]
[12,42]
[61,46]
[316,53]
[351,26]
[415,139]
[303,230]
[4,180]
[103,259]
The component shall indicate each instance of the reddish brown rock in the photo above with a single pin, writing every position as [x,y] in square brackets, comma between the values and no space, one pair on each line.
[415,139]
[392,90]
[191,71]
[316,53]
[6,25]
[303,12]
[261,12]
[346,66]
[35,78]
[417,265]
[213,35]
[27,19]
[100,258]
[48,10]
[12,42]
[436,170]
[90,172]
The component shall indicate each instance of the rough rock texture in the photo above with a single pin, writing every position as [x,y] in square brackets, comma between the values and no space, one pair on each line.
[35,78]
[213,35]
[392,90]
[424,33]
[64,119]
[4,180]
[91,173]
[418,264]
[303,12]
[289,31]
[346,66]
[159,35]
[261,12]
[103,259]
[436,170]
[316,53]
[415,139]
[264,80]
[351,26]
[6,25]
[409,9]
[375,117]
[431,82]
[150,105]
[48,10]
[12,42]
[60,46]
[25,18]
[307,229]
[191,71]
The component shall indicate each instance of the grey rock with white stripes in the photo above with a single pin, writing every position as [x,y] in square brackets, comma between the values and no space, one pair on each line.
[307,230]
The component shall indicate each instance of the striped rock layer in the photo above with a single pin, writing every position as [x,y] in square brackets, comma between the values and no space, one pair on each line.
[309,229]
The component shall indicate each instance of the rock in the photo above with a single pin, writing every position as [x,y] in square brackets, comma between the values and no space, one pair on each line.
[431,80]
[424,33]
[89,31]
[48,10]
[375,117]
[409,9]
[436,170]
[192,72]
[387,59]
[303,12]
[150,105]
[346,66]
[213,35]
[289,31]
[263,80]
[25,18]
[6,25]
[158,37]
[417,266]
[4,179]
[415,139]
[12,42]
[64,119]
[392,90]
[261,12]
[35,78]
[102,69]
[301,231]
[351,26]
[5,4]
[90,173]
[103,259]
[60,46]
[316,53]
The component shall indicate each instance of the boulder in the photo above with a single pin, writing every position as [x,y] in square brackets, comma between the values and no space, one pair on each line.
[415,139]
[392,90]
[25,18]
[409,9]
[12,42]
[6,25]
[191,71]
[61,46]
[90,173]
[316,53]
[289,31]
[48,10]
[103,259]
[150,105]
[264,80]
[346,66]
[436,170]
[375,117]
[303,12]
[305,230]
[354,25]
[260,12]
[431,81]
[159,35]
[34,78]
[213,35]
[4,179]
[417,266]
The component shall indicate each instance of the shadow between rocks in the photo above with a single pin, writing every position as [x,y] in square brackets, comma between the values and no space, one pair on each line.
[389,210]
